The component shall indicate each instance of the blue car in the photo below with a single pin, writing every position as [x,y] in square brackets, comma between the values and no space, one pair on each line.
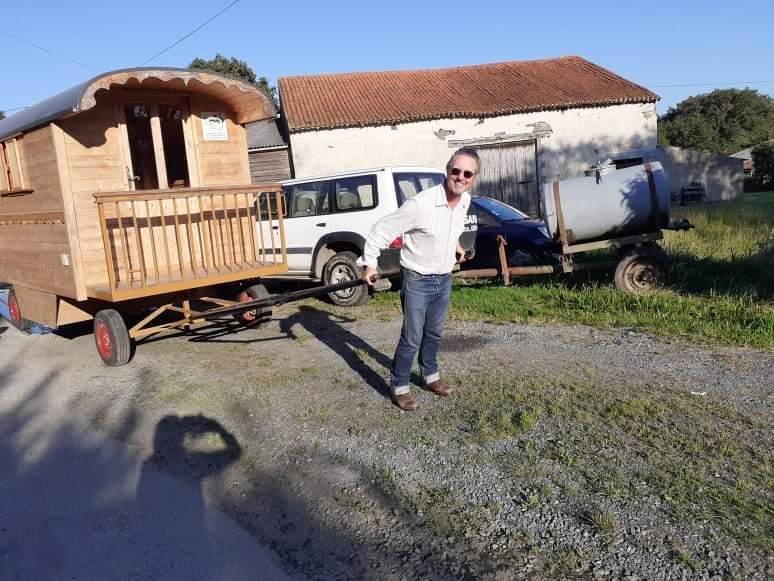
[528,241]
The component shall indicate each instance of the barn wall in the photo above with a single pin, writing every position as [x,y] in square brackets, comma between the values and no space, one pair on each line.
[580,137]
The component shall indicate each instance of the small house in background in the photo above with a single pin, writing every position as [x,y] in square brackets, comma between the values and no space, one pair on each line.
[694,176]
[532,121]
[746,156]
[268,152]
[700,176]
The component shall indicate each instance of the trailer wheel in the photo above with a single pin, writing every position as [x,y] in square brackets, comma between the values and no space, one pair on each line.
[247,318]
[113,342]
[341,268]
[15,312]
[642,270]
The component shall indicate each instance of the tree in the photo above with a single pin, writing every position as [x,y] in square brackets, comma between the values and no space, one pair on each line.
[2,115]
[235,68]
[763,162]
[723,121]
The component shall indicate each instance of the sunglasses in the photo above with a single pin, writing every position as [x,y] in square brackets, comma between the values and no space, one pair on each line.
[467,174]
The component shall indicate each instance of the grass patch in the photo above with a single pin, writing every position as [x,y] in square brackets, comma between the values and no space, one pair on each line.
[566,560]
[604,522]
[724,283]
[731,250]
[700,458]
[321,415]
[683,558]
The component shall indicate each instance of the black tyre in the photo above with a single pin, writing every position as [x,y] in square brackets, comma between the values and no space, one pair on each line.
[642,270]
[15,312]
[342,267]
[112,338]
[249,318]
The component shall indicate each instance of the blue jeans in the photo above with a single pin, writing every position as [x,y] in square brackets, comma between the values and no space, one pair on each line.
[425,301]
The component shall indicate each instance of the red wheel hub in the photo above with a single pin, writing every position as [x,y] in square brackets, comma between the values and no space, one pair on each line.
[104,341]
[248,316]
[14,310]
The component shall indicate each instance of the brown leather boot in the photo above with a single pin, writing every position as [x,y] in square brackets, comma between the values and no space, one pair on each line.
[405,401]
[438,387]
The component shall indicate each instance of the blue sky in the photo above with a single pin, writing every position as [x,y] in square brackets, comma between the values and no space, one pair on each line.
[654,43]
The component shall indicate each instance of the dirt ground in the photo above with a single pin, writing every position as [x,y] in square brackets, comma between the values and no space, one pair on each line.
[288,429]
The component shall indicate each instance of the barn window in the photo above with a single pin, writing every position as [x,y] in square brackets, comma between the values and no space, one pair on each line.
[10,169]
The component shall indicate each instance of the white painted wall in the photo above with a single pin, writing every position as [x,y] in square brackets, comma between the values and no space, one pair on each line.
[722,175]
[580,138]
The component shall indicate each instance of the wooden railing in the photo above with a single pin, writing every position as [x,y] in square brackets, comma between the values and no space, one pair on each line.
[159,240]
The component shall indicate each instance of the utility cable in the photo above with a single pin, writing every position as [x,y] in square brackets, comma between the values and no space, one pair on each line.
[197,29]
[51,52]
[710,84]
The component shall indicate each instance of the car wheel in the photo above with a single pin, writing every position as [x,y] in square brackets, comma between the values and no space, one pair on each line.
[342,267]
[642,270]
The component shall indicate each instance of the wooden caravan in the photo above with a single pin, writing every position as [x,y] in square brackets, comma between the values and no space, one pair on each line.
[134,188]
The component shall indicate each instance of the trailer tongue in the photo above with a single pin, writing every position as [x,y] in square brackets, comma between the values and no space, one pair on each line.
[277,300]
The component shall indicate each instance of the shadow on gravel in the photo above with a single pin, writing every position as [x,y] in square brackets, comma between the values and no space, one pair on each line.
[79,505]
[96,511]
[326,328]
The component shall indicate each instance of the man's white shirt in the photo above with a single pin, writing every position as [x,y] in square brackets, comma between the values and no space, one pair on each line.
[430,230]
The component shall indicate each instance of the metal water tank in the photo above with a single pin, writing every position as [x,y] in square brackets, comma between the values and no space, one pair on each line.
[610,203]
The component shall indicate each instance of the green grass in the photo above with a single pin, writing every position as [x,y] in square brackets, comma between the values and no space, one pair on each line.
[722,293]
[699,457]
[731,250]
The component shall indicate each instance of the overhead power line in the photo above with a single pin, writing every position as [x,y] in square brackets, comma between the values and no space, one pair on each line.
[51,52]
[710,84]
[195,30]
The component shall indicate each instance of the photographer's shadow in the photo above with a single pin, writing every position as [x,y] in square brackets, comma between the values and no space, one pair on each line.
[191,449]
[326,327]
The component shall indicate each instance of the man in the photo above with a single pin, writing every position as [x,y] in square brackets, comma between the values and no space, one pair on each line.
[431,224]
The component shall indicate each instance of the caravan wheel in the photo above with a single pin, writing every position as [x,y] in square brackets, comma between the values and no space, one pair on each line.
[113,342]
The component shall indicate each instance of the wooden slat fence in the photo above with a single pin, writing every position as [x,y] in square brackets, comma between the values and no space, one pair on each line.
[154,238]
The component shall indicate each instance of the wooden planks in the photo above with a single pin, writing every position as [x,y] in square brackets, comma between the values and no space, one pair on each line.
[269,166]
[221,163]
[95,162]
[160,239]
[36,305]
[32,257]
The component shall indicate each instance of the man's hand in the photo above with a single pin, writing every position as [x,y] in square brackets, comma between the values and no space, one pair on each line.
[370,275]
[462,256]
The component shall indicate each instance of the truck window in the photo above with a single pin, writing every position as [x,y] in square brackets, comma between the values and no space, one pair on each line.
[307,199]
[409,184]
[356,193]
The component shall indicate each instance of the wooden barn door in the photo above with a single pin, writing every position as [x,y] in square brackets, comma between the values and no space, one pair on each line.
[509,173]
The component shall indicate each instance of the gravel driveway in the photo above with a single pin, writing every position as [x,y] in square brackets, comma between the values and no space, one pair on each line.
[287,429]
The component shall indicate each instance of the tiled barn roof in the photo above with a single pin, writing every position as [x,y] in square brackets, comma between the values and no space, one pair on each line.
[313,102]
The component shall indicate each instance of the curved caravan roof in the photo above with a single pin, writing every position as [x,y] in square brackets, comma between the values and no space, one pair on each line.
[247,100]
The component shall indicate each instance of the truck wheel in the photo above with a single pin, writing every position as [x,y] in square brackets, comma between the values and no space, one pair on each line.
[247,318]
[642,270]
[342,267]
[113,342]
[15,312]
